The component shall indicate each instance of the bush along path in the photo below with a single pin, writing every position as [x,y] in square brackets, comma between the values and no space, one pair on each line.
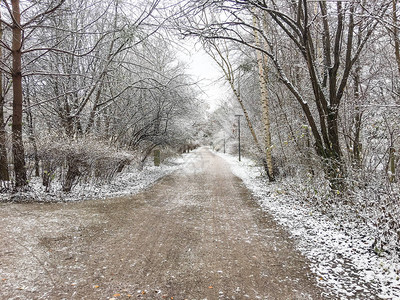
[196,234]
[130,181]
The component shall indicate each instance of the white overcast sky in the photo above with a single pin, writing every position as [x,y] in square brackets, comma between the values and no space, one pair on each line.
[203,69]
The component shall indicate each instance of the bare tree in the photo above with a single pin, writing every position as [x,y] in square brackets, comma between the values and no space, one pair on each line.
[18,146]
[4,175]
[221,57]
[263,80]
[14,23]
[395,33]
[298,25]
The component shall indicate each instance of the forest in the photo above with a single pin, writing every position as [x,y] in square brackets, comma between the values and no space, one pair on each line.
[90,87]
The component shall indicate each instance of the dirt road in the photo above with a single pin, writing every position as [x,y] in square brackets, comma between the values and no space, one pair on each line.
[196,234]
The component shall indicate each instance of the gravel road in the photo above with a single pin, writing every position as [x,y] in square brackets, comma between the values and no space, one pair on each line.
[196,234]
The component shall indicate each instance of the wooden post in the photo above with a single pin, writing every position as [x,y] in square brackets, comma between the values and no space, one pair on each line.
[157,157]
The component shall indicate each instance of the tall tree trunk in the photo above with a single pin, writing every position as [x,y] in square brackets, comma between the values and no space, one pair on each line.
[396,35]
[106,124]
[17,144]
[357,146]
[262,76]
[4,175]
[31,134]
[358,114]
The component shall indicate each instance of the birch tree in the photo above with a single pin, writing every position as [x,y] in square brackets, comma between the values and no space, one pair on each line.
[304,28]
[220,54]
[263,80]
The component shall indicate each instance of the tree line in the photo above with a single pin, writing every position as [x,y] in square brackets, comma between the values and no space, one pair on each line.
[86,86]
[318,85]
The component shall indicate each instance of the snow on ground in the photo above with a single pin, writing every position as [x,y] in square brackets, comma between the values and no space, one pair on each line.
[339,253]
[130,181]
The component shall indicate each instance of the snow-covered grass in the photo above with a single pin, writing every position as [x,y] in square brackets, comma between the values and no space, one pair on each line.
[130,181]
[340,252]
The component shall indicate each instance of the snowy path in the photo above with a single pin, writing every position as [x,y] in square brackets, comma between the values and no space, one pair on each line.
[196,234]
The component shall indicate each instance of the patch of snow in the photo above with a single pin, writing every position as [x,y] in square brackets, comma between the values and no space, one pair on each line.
[340,254]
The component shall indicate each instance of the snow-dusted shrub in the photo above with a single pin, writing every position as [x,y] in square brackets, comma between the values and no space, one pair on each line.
[83,159]
[367,200]
[379,208]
